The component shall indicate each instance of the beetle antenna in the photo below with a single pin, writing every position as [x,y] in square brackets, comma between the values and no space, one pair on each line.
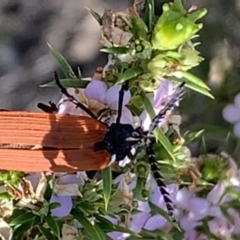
[175,98]
[71,98]
[120,101]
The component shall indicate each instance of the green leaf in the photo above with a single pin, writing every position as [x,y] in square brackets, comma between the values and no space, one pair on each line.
[158,134]
[46,233]
[233,193]
[137,191]
[66,68]
[27,226]
[163,213]
[129,74]
[164,235]
[134,109]
[199,89]
[107,226]
[107,185]
[196,84]
[88,227]
[149,14]
[139,29]
[192,78]
[5,176]
[68,83]
[23,218]
[5,196]
[54,205]
[225,212]
[147,104]
[52,223]
[189,137]
[95,15]
[115,50]
[100,231]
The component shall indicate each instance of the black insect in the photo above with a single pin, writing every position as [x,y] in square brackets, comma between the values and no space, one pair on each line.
[120,139]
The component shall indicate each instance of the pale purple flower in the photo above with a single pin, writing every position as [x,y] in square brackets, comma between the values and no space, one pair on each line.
[231,113]
[34,178]
[196,209]
[236,219]
[195,235]
[143,219]
[99,91]
[182,198]
[187,224]
[157,221]
[126,178]
[139,221]
[66,201]
[118,235]
[67,107]
[234,178]
[221,227]
[65,207]
[216,193]
[160,97]
[136,224]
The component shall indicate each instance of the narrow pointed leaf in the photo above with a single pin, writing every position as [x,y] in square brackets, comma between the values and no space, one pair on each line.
[100,231]
[158,134]
[129,74]
[66,68]
[134,109]
[52,223]
[107,226]
[233,193]
[79,73]
[189,137]
[54,205]
[46,233]
[193,79]
[199,89]
[68,83]
[137,191]
[114,50]
[164,235]
[149,14]
[95,15]
[19,232]
[107,185]
[23,218]
[88,227]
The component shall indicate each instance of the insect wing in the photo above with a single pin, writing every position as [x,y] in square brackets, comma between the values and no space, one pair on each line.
[36,142]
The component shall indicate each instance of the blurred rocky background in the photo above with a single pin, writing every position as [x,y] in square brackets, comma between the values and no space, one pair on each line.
[25,61]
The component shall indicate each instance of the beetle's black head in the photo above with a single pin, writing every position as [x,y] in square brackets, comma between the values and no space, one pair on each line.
[116,140]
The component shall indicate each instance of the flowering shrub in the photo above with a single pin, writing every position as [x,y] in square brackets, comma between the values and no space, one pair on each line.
[123,201]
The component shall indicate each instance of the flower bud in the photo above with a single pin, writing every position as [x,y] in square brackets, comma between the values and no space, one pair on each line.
[142,169]
[175,26]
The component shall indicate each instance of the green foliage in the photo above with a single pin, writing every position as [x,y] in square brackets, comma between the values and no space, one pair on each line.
[175,26]
[156,49]
[107,185]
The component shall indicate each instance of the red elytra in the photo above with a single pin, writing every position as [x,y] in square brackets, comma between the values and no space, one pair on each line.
[39,142]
